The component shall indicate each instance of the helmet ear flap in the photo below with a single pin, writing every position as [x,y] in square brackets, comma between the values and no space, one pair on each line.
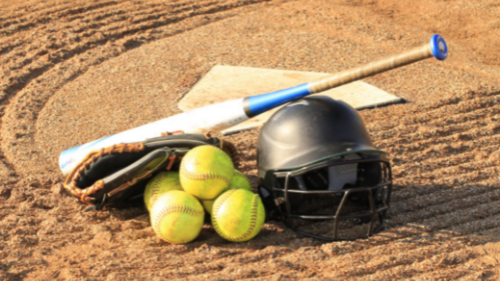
[276,199]
[295,199]
[369,174]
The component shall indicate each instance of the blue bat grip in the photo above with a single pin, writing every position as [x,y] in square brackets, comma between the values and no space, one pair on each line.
[438,47]
[262,103]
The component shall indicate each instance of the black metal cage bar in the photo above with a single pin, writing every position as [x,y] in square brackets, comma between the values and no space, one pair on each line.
[374,211]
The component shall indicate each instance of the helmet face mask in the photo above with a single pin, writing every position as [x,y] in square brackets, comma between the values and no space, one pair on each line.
[306,203]
[340,190]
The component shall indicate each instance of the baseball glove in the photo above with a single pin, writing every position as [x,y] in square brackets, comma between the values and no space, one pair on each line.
[119,173]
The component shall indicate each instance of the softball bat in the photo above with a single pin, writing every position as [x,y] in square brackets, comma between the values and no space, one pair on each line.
[226,114]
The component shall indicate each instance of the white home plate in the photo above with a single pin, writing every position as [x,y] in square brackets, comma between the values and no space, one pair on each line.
[224,83]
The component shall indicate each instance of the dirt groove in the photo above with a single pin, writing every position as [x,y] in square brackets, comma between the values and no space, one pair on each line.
[84,47]
[442,143]
[419,202]
[129,18]
[460,160]
[28,8]
[441,216]
[48,17]
[452,168]
[469,110]
[481,225]
[472,135]
[72,26]
[441,211]
[486,116]
[419,256]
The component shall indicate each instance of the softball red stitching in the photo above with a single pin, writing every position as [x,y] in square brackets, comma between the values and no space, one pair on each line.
[215,210]
[204,176]
[172,209]
[155,187]
[253,217]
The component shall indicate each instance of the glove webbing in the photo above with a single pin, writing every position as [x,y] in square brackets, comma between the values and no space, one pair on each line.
[84,194]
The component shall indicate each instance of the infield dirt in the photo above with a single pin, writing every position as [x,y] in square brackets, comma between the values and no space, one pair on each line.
[74,71]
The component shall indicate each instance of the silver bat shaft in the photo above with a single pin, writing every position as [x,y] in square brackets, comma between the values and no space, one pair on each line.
[223,115]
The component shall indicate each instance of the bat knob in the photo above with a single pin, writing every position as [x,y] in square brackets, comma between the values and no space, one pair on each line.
[438,47]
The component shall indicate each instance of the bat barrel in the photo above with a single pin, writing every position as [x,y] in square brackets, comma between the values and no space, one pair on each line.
[229,113]
[437,48]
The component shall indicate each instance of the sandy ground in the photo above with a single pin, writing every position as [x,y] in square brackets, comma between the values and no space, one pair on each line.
[74,71]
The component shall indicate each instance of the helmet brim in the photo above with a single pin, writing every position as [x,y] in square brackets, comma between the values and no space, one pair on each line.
[325,152]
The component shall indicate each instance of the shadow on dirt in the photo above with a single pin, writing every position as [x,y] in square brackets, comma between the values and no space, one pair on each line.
[424,230]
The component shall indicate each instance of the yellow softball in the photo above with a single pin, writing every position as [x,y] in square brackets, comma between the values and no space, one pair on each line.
[239,181]
[159,184]
[177,217]
[208,205]
[205,172]
[238,215]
